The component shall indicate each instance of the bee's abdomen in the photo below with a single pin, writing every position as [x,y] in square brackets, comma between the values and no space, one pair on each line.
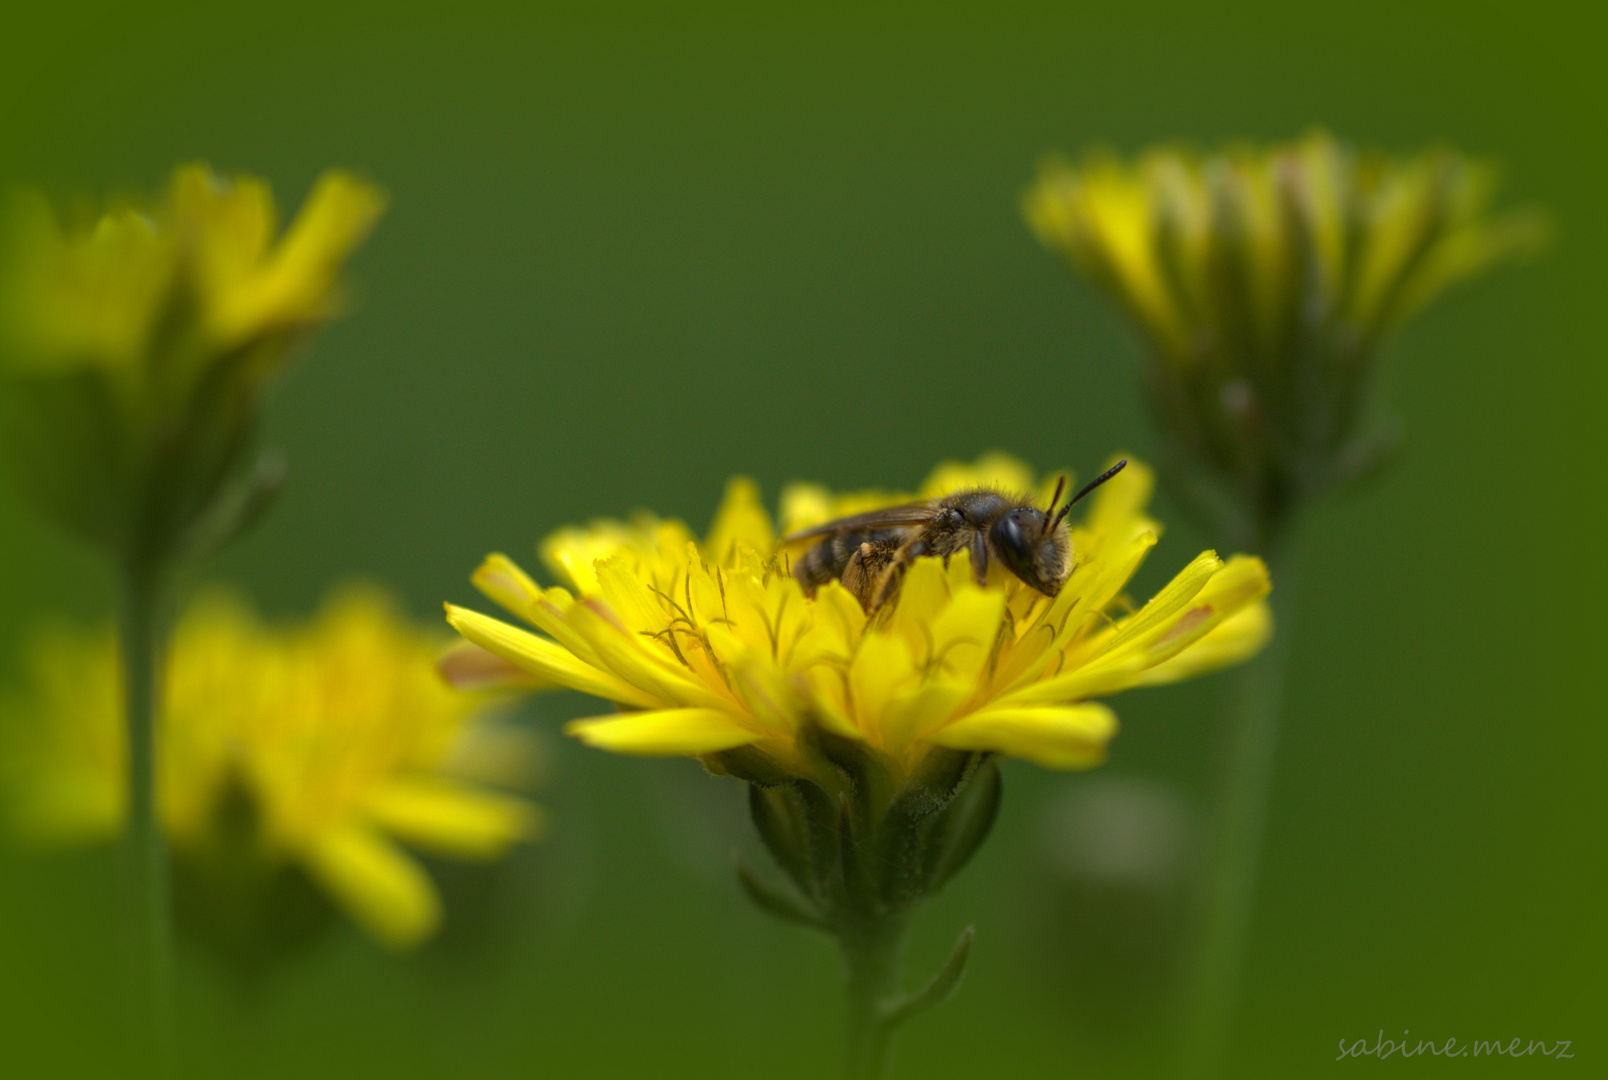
[828,560]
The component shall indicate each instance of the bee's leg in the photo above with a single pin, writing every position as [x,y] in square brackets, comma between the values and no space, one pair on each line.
[865,568]
[897,565]
[979,557]
[857,575]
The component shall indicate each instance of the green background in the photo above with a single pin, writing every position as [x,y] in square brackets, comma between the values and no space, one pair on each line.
[630,254]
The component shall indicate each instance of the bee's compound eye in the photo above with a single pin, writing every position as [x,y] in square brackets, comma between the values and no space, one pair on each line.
[1008,533]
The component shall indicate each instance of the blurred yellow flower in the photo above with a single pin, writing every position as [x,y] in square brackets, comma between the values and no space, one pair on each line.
[713,647]
[1264,278]
[338,736]
[138,341]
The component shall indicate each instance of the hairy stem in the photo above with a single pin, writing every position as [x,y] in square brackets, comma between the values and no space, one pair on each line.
[873,953]
[1241,814]
[146,907]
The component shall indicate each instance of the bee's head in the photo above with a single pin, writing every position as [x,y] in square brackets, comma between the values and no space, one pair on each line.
[1032,547]
[1036,545]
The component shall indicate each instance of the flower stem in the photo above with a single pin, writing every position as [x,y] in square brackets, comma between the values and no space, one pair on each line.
[1242,809]
[147,911]
[873,953]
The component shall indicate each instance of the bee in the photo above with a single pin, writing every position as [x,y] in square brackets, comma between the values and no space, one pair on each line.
[869,553]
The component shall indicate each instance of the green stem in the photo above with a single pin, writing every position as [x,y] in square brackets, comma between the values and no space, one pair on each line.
[873,953]
[145,901]
[1242,811]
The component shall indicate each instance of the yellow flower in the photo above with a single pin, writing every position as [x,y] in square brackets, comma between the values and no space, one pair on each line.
[338,737]
[137,342]
[1263,279]
[713,650]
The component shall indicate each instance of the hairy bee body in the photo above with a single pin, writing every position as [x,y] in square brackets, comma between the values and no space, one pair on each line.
[870,552]
[858,558]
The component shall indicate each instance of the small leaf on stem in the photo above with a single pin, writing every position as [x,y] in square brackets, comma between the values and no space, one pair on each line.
[940,988]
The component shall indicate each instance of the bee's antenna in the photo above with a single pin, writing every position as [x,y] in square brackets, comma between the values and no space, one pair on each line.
[1060,485]
[1090,486]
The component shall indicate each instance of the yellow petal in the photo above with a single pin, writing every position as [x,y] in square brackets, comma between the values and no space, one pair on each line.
[1241,582]
[918,710]
[466,666]
[1057,737]
[572,552]
[993,470]
[1117,515]
[59,809]
[664,732]
[1236,638]
[1322,187]
[1184,612]
[1082,601]
[544,658]
[762,686]
[451,818]
[499,752]
[1465,252]
[804,506]
[1105,218]
[629,598]
[337,216]
[741,522]
[881,670]
[502,581]
[639,661]
[250,289]
[1405,214]
[1152,619]
[381,888]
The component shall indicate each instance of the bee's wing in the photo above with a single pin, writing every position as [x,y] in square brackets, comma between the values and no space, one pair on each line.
[889,517]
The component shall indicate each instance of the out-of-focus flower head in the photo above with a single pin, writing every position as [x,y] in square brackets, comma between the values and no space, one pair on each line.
[136,342]
[315,751]
[1263,281]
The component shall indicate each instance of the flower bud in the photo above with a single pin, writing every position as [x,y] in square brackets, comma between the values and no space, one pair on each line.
[1263,282]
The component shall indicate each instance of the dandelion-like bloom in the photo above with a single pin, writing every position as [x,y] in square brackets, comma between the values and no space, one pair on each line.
[1263,281]
[322,748]
[137,342]
[868,741]
[710,647]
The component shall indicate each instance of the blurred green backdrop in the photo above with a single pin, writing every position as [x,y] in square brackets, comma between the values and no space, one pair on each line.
[631,253]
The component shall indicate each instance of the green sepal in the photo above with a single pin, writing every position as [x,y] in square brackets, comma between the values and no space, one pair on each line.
[940,777]
[778,819]
[140,470]
[858,866]
[862,771]
[750,764]
[773,900]
[911,833]
[798,824]
[964,825]
[194,461]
